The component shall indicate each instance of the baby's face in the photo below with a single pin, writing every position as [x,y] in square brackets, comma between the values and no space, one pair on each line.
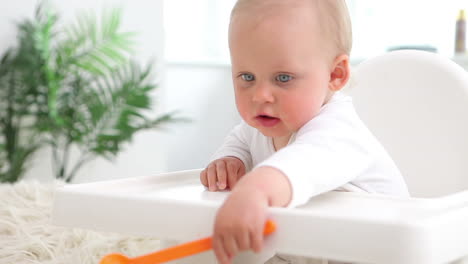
[280,69]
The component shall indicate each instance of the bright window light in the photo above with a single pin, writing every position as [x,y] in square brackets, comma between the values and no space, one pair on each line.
[196,31]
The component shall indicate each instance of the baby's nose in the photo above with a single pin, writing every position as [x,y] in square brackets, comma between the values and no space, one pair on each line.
[263,94]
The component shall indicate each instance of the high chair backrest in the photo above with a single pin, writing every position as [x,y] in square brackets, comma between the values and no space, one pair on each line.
[416,104]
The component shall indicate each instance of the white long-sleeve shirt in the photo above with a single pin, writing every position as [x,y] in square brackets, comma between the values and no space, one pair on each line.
[333,151]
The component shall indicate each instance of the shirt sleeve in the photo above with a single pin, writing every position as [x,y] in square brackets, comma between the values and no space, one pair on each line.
[326,154]
[237,144]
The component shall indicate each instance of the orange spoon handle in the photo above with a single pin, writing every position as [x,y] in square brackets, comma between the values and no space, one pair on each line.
[187,249]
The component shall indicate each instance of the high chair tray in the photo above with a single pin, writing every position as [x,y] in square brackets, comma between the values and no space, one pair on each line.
[354,227]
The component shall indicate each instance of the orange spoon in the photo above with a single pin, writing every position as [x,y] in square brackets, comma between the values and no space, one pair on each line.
[172,253]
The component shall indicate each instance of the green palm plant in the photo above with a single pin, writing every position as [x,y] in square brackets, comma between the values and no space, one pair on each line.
[21,89]
[15,150]
[88,96]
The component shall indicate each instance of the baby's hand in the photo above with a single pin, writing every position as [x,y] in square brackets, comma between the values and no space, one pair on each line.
[239,224]
[222,173]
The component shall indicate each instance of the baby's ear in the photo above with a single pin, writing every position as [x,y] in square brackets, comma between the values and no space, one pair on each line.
[340,73]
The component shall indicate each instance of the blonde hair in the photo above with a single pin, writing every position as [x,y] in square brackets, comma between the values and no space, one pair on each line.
[335,22]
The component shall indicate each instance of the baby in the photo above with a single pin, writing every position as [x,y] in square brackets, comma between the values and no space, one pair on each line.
[300,136]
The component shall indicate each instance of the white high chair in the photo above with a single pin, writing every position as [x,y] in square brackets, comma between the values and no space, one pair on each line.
[416,103]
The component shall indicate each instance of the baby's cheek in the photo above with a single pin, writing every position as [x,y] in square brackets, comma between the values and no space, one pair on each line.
[242,107]
[299,114]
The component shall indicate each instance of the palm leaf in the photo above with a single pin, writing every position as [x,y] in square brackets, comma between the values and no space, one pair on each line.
[106,49]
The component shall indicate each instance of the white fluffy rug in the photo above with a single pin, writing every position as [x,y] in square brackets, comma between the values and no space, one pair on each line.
[26,235]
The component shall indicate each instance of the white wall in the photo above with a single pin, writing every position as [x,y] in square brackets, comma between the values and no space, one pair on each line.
[204,94]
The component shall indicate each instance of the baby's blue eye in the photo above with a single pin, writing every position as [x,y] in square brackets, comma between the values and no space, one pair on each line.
[284,78]
[247,77]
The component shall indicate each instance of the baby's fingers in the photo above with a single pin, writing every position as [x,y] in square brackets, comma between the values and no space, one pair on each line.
[204,178]
[219,250]
[232,174]
[256,240]
[230,246]
[243,241]
[212,179]
[221,174]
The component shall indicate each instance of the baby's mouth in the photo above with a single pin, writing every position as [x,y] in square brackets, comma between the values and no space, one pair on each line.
[267,121]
